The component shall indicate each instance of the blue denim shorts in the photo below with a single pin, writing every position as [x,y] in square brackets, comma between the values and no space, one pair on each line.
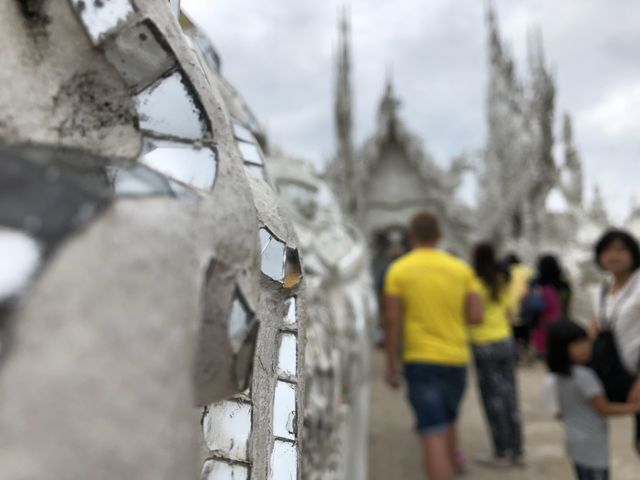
[435,393]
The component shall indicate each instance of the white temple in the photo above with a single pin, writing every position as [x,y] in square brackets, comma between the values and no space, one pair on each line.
[386,181]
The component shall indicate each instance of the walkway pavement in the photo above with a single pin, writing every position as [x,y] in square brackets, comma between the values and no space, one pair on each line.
[393,448]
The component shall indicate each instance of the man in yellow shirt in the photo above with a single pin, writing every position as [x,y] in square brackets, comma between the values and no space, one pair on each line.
[430,298]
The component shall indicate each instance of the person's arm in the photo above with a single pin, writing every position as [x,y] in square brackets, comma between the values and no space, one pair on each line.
[605,407]
[474,309]
[393,332]
[634,393]
[593,328]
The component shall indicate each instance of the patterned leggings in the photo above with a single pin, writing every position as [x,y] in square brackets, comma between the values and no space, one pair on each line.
[495,369]
[586,473]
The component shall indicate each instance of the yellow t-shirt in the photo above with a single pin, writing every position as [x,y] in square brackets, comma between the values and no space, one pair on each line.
[520,277]
[433,287]
[495,326]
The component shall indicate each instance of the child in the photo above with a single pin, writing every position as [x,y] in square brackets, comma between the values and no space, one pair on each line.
[583,404]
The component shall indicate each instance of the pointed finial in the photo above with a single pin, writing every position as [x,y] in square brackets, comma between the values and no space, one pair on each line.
[567,129]
[389,79]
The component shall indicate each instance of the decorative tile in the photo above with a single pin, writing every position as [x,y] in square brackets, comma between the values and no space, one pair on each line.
[288,356]
[101,16]
[284,461]
[284,411]
[227,428]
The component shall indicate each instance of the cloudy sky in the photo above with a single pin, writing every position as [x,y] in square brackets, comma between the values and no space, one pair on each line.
[280,55]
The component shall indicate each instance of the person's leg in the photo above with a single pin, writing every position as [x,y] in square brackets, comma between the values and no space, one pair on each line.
[586,473]
[637,434]
[490,393]
[429,399]
[436,455]
[509,392]
[452,444]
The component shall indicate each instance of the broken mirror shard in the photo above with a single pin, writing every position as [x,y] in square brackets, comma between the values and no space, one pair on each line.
[244,358]
[273,256]
[290,314]
[242,133]
[175,7]
[239,316]
[255,171]
[250,153]
[48,202]
[220,470]
[287,356]
[19,259]
[227,428]
[169,108]
[101,16]
[181,161]
[293,270]
[284,410]
[284,461]
[138,181]
[183,192]
[138,55]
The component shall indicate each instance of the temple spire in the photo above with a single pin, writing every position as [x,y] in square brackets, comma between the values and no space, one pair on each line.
[343,114]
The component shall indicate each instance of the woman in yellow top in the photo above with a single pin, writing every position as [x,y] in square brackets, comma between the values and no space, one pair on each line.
[494,356]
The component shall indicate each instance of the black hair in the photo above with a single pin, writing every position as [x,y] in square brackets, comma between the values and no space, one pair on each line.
[511,259]
[561,335]
[623,236]
[549,272]
[486,267]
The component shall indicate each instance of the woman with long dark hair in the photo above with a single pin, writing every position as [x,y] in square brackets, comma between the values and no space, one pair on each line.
[555,295]
[494,355]
[616,352]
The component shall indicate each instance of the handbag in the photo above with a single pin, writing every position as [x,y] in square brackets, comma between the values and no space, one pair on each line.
[605,359]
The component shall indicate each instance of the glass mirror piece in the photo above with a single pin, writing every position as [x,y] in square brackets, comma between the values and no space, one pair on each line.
[290,315]
[181,161]
[219,470]
[175,7]
[100,16]
[227,428]
[138,181]
[242,133]
[255,171]
[293,270]
[284,410]
[138,55]
[244,357]
[183,192]
[20,257]
[168,108]
[288,355]
[273,256]
[250,152]
[239,316]
[284,461]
